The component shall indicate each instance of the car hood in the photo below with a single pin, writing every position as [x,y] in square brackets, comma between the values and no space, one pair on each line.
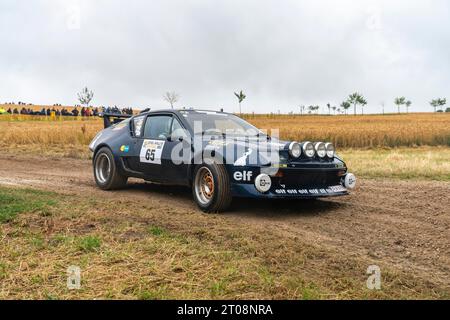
[242,151]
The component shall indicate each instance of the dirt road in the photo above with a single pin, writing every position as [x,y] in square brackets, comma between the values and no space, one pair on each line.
[401,224]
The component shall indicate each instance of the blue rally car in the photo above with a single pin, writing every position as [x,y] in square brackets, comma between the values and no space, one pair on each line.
[219,155]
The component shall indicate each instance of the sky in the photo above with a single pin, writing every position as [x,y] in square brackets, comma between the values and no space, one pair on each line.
[282,54]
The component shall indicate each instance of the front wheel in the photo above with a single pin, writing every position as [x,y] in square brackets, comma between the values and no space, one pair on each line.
[106,173]
[211,188]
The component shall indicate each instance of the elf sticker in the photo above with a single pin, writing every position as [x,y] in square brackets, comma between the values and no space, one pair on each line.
[151,151]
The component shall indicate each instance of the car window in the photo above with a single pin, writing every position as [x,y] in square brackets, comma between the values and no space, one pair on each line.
[157,127]
[177,130]
[222,123]
[138,122]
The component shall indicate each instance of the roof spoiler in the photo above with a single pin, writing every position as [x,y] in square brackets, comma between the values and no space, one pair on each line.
[110,119]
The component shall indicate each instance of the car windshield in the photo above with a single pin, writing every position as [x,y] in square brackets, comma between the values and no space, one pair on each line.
[217,123]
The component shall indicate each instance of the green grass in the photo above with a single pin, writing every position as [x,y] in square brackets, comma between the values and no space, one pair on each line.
[156,231]
[424,163]
[18,201]
[156,294]
[3,270]
[89,243]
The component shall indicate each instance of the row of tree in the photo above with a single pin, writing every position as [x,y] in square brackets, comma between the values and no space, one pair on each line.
[355,99]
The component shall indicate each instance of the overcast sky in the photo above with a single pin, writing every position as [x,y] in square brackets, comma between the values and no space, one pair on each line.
[281,53]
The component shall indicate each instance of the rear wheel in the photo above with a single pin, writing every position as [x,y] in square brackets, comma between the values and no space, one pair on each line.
[211,188]
[106,173]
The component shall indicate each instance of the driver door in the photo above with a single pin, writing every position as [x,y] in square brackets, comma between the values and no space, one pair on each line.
[156,131]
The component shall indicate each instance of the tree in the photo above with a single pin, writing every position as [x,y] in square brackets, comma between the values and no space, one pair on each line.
[439,102]
[334,110]
[329,108]
[171,98]
[345,105]
[363,104]
[302,109]
[356,99]
[408,104]
[313,108]
[241,96]
[85,96]
[317,109]
[399,101]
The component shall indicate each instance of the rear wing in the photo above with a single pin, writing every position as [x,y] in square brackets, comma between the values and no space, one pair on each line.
[110,119]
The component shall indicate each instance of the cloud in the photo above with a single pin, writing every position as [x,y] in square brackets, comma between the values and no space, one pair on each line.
[282,54]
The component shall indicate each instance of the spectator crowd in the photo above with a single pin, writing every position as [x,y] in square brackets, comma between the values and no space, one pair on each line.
[75,112]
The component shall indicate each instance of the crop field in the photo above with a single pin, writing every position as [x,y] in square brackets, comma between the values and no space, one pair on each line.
[151,242]
[369,131]
[408,146]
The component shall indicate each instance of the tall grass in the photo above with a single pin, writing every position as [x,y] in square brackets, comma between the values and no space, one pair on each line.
[74,132]
[362,131]
[345,131]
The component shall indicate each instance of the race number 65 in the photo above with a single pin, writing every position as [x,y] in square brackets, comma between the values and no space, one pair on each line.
[150,154]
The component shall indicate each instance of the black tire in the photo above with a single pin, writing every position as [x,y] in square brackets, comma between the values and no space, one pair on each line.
[107,179]
[221,196]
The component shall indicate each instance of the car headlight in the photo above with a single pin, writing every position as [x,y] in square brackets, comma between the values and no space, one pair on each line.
[308,149]
[330,150]
[295,150]
[320,149]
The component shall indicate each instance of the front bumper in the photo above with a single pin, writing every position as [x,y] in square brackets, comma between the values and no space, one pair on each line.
[298,183]
[249,191]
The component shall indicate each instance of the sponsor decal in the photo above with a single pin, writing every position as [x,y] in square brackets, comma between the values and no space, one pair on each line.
[242,161]
[328,190]
[124,148]
[279,165]
[243,176]
[151,151]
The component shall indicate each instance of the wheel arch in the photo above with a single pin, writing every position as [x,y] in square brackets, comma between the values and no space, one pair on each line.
[100,146]
[193,165]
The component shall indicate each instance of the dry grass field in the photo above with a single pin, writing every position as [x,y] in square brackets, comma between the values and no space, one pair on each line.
[368,131]
[371,131]
[402,146]
[149,241]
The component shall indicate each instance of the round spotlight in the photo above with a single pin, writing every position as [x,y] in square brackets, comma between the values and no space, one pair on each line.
[308,149]
[349,181]
[263,183]
[330,150]
[295,150]
[320,149]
